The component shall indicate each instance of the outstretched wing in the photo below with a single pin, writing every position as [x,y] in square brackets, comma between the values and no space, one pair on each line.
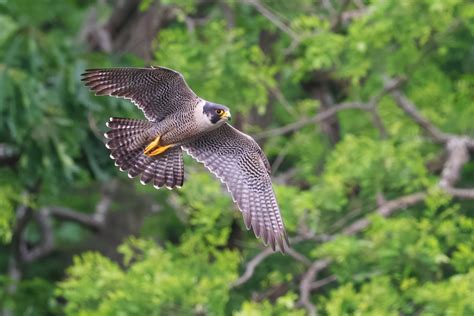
[157,91]
[237,160]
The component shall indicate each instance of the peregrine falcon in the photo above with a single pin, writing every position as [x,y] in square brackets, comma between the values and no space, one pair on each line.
[176,120]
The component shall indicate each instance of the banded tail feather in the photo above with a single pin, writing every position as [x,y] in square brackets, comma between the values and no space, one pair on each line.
[127,140]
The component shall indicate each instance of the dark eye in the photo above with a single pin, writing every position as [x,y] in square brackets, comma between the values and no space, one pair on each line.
[219,112]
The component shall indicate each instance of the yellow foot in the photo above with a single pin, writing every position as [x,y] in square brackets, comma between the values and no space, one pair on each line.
[154,147]
[151,146]
[158,150]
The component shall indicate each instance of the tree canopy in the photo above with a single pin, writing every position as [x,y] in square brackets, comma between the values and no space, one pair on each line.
[364,108]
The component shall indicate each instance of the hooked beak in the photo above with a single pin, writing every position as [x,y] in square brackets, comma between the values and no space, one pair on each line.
[227,115]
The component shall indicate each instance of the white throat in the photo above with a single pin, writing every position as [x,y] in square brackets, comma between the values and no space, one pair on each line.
[202,120]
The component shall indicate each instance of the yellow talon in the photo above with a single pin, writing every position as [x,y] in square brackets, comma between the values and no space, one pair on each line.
[158,150]
[154,147]
[151,146]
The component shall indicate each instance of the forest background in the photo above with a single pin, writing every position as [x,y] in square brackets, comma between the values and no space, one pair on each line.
[364,108]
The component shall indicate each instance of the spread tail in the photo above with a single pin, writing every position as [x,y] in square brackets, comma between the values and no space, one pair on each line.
[127,140]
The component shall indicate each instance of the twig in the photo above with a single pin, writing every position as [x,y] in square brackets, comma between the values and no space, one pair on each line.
[46,244]
[282,99]
[94,221]
[344,220]
[337,20]
[307,281]
[386,210]
[279,159]
[67,214]
[298,256]
[323,282]
[410,109]
[457,147]
[14,268]
[370,106]
[266,12]
[94,128]
[251,265]
[313,120]
[378,123]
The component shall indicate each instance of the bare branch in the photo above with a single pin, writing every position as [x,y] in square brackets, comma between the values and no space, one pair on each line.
[410,109]
[276,92]
[470,143]
[266,12]
[298,256]
[313,120]
[102,208]
[435,133]
[347,16]
[386,210]
[337,19]
[466,194]
[15,273]
[369,107]
[323,282]
[378,123]
[46,243]
[345,219]
[94,221]
[456,146]
[307,281]
[67,214]
[251,265]
[458,156]
[94,128]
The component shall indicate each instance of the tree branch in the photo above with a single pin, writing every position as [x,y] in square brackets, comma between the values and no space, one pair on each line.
[312,120]
[307,281]
[266,12]
[458,156]
[46,244]
[410,109]
[337,19]
[323,282]
[94,221]
[67,214]
[457,147]
[298,256]
[251,265]
[385,210]
[365,106]
[378,123]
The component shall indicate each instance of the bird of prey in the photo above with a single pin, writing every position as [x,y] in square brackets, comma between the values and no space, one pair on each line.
[178,120]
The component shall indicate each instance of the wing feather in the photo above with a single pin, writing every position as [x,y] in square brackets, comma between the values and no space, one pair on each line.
[237,160]
[157,91]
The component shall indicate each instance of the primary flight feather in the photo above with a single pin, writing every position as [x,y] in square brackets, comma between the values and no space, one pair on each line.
[177,120]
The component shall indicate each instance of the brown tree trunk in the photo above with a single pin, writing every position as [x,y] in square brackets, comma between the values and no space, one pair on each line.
[128,30]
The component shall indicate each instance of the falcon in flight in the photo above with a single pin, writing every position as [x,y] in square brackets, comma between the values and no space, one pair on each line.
[176,120]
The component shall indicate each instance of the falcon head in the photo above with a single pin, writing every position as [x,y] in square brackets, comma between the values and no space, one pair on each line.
[216,113]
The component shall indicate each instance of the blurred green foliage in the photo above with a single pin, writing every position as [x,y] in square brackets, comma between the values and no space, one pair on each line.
[419,262]
[156,281]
